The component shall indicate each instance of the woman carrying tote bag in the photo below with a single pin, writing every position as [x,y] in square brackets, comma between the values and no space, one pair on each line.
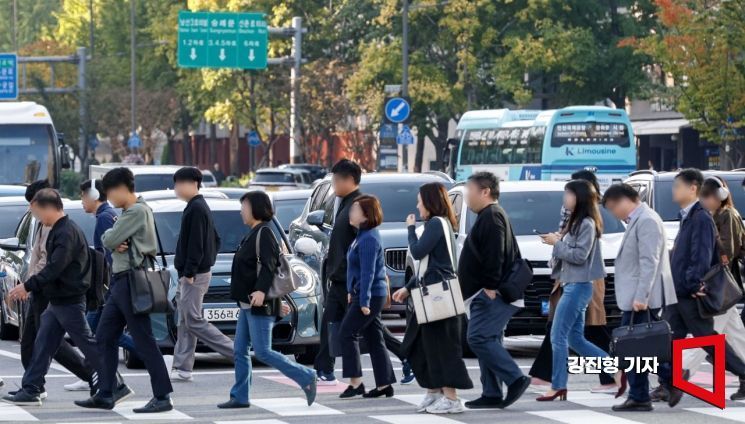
[249,286]
[435,348]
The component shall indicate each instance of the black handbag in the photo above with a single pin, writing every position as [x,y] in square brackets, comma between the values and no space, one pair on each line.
[653,338]
[148,286]
[722,292]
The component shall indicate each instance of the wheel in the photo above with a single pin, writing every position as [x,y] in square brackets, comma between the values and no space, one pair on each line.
[308,357]
[132,362]
[7,331]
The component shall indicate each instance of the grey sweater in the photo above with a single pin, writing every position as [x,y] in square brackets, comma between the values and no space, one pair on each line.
[580,256]
[137,224]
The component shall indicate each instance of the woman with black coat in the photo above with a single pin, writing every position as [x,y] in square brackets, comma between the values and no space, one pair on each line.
[435,349]
[254,267]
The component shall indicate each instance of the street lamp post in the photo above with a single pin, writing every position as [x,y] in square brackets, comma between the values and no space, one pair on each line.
[405,72]
[132,68]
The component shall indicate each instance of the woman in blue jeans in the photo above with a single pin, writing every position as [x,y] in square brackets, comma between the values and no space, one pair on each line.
[254,267]
[367,293]
[577,252]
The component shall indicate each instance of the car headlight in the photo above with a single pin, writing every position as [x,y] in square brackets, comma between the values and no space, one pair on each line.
[307,283]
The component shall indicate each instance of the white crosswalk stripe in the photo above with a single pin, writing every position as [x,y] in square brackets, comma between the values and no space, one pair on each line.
[593,400]
[581,416]
[251,422]
[293,407]
[415,419]
[14,413]
[125,410]
[734,414]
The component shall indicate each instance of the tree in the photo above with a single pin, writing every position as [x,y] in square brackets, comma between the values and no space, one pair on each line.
[702,47]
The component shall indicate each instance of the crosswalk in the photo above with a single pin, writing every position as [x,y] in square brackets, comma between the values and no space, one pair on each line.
[582,407]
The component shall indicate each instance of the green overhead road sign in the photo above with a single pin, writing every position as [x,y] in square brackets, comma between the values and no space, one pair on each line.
[222,40]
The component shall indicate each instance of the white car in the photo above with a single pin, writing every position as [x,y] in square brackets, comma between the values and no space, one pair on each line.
[536,205]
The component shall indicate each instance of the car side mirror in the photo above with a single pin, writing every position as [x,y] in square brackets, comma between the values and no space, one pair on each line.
[315,218]
[307,247]
[12,245]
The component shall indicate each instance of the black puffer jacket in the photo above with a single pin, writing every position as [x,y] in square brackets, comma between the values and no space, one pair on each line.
[66,276]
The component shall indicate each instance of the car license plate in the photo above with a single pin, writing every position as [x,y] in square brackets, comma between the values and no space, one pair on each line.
[544,307]
[220,314]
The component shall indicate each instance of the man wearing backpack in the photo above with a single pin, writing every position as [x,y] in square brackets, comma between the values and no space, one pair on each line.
[196,252]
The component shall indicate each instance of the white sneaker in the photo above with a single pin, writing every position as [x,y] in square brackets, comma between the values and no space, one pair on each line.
[178,375]
[43,395]
[429,399]
[446,406]
[78,386]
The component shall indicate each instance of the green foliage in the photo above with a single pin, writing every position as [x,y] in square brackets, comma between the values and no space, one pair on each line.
[70,184]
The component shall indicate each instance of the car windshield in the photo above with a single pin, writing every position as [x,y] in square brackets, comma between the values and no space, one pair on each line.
[668,210]
[287,210]
[86,222]
[10,216]
[398,199]
[152,182]
[24,153]
[274,177]
[540,210]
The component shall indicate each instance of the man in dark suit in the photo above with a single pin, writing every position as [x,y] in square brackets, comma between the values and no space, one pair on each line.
[694,253]
[346,185]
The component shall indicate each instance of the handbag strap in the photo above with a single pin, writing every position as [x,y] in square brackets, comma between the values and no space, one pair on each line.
[447,232]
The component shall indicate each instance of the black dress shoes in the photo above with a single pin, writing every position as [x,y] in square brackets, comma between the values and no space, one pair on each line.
[233,404]
[632,405]
[674,397]
[515,390]
[96,402]
[155,405]
[485,402]
[375,393]
[351,392]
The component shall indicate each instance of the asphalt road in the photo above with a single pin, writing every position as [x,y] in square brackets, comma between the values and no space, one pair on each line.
[275,400]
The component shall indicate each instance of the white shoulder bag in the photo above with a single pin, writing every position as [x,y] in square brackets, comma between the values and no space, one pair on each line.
[438,301]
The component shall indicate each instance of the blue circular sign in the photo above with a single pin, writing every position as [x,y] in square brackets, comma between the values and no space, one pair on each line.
[397,110]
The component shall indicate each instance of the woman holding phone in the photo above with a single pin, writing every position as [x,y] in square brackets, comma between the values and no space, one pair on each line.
[581,263]
[254,267]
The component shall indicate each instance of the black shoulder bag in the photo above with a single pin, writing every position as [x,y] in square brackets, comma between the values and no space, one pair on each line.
[148,287]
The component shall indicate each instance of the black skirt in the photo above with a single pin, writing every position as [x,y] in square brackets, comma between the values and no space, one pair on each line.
[435,352]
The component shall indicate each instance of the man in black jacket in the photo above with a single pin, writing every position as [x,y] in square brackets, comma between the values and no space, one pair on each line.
[487,256]
[346,181]
[196,252]
[64,280]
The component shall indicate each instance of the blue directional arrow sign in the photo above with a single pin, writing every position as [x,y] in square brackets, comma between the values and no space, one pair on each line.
[397,109]
[405,137]
[253,139]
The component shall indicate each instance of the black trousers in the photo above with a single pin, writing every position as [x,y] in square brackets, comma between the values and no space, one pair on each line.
[684,318]
[117,313]
[356,324]
[66,355]
[542,365]
[334,308]
[55,322]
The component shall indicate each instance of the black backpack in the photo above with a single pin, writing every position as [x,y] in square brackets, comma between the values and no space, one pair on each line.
[100,277]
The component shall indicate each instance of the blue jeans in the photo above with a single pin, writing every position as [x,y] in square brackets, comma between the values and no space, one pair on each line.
[485,333]
[256,330]
[568,331]
[125,340]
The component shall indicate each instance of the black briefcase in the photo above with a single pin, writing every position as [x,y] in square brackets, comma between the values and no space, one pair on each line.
[653,338]
[722,292]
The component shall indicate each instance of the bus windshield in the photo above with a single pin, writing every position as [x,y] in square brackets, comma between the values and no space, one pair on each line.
[512,145]
[25,151]
[579,133]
